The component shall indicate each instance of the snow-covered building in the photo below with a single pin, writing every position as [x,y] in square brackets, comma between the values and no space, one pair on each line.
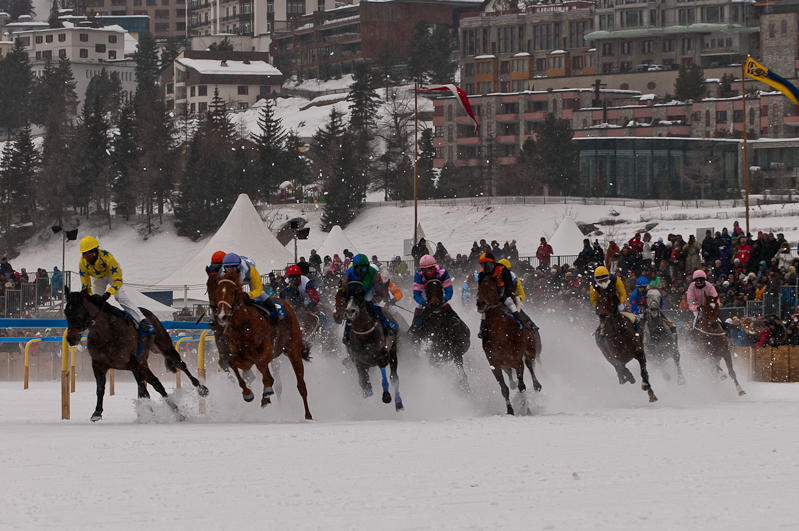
[89,50]
[242,78]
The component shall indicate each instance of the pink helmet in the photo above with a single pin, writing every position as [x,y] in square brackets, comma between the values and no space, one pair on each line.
[699,274]
[427,261]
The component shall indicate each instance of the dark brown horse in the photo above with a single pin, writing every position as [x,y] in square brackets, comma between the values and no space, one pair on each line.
[449,337]
[619,341]
[113,344]
[712,339]
[367,345]
[254,340]
[316,328]
[506,346]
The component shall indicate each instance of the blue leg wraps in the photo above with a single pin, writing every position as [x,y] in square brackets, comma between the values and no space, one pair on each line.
[385,379]
[346,338]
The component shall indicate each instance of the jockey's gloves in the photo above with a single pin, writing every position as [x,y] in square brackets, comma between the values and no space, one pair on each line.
[621,307]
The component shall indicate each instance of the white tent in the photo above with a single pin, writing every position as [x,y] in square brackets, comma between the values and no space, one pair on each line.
[335,243]
[568,238]
[162,311]
[243,232]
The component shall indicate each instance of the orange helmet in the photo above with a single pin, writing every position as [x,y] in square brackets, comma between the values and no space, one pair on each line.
[487,257]
[217,257]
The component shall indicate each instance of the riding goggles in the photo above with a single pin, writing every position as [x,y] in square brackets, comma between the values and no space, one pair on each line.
[215,268]
[603,282]
[489,267]
[361,270]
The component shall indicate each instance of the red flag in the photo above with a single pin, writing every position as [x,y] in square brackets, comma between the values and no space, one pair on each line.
[459,93]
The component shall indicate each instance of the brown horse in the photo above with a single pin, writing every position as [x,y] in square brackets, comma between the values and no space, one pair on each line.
[712,339]
[504,343]
[316,328]
[254,340]
[619,341]
[449,337]
[113,344]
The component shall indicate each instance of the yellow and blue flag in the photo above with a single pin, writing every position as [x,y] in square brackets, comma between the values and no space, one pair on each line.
[759,72]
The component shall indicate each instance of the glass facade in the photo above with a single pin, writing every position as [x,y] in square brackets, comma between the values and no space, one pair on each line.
[659,168]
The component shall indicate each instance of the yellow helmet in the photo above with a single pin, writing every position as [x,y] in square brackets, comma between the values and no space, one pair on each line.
[505,263]
[88,243]
[601,271]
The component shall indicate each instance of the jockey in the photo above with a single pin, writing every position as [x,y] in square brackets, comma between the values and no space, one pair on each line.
[216,261]
[604,279]
[249,275]
[101,265]
[394,295]
[302,289]
[518,292]
[429,270]
[697,291]
[638,303]
[505,283]
[361,271]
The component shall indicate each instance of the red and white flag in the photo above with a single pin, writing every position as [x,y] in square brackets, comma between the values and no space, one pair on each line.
[460,94]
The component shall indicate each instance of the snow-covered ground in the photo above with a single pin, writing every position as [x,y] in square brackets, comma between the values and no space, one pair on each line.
[595,455]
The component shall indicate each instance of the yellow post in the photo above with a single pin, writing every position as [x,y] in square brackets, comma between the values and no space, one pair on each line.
[27,346]
[64,378]
[201,365]
[177,347]
[72,373]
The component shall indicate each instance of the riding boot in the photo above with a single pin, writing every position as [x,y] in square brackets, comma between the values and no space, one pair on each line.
[416,323]
[389,326]
[529,322]
[518,317]
[482,326]
[145,328]
[274,313]
[346,338]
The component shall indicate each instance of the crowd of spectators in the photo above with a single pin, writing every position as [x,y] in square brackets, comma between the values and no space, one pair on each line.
[21,291]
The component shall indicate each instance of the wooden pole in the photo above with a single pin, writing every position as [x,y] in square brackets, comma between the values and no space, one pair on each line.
[746,152]
[111,382]
[64,378]
[201,365]
[72,372]
[415,161]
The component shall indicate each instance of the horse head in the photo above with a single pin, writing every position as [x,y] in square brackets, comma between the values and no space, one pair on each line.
[710,309]
[607,302]
[228,291]
[487,294]
[434,292]
[653,302]
[354,295]
[77,313]
[210,285]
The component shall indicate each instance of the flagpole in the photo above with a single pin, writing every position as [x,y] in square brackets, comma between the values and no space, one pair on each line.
[416,160]
[746,154]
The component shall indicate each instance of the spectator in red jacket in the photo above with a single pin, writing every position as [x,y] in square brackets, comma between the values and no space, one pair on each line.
[636,245]
[543,254]
[744,252]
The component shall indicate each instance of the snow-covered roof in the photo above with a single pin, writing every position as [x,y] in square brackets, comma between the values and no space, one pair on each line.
[486,57]
[522,54]
[130,44]
[647,97]
[557,52]
[238,68]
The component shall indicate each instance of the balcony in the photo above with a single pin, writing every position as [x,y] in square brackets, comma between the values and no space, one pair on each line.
[507,118]
[536,116]
[508,139]
[468,162]
[470,141]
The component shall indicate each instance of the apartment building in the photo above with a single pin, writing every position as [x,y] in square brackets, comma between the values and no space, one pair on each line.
[504,51]
[167,17]
[242,78]
[89,50]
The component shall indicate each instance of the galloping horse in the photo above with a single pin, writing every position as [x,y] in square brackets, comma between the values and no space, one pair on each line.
[504,343]
[113,343]
[712,339]
[367,347]
[314,328]
[254,340]
[449,339]
[221,339]
[659,343]
[621,343]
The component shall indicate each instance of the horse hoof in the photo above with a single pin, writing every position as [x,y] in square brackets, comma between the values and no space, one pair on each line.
[249,397]
[265,401]
[96,416]
[268,391]
[202,390]
[653,398]
[723,377]
[681,380]
[537,388]
[386,397]
[367,393]
[400,407]
[741,392]
[510,410]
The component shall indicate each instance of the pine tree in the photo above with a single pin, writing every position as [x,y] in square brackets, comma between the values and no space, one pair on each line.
[558,156]
[146,57]
[295,163]
[53,18]
[427,174]
[690,83]
[441,67]
[94,176]
[419,46]
[385,59]
[55,87]
[108,88]
[326,142]
[16,80]
[20,162]
[341,188]
[17,8]
[364,101]
[170,52]
[124,162]
[271,143]
[58,161]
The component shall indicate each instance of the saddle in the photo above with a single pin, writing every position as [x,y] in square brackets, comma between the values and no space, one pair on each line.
[265,311]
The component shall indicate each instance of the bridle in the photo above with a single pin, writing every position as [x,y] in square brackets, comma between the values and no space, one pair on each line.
[88,322]
[496,291]
[235,297]
[438,305]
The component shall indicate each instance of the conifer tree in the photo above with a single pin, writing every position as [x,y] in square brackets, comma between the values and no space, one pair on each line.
[17,8]
[94,162]
[16,81]
[326,142]
[124,162]
[146,57]
[419,47]
[364,101]
[690,83]
[20,162]
[295,163]
[58,160]
[170,52]
[441,68]
[427,175]
[558,157]
[270,143]
[53,18]
[341,188]
[108,88]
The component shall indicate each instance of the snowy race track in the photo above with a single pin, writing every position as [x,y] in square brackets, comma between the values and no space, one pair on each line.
[595,455]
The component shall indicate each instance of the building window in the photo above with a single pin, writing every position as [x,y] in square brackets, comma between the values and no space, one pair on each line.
[84,37]
[243,90]
[576,32]
[202,90]
[632,19]
[112,54]
[543,37]
[38,56]
[170,88]
[243,105]
[62,53]
[47,55]
[39,39]
[721,117]
[49,38]
[607,68]
[771,30]
[99,48]
[84,53]
[648,46]
[707,118]
[203,106]
[626,48]
[540,65]
[668,45]
[191,108]
[607,48]
[687,16]
[112,39]
[449,133]
[161,13]
[468,69]
[737,117]
[191,92]
[504,67]
[62,37]
[180,26]
[687,46]
[161,27]
[783,30]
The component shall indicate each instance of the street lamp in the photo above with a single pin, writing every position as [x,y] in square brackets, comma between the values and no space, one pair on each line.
[299,234]
[68,235]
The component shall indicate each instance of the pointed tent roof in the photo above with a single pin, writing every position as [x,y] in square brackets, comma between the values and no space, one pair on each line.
[243,232]
[336,242]
[568,238]
[162,311]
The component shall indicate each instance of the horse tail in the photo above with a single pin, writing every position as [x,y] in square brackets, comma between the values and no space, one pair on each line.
[306,351]
[170,366]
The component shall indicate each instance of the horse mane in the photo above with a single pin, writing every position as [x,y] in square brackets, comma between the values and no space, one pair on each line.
[107,309]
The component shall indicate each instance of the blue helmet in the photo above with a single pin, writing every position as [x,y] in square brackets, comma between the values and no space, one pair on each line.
[231,259]
[642,282]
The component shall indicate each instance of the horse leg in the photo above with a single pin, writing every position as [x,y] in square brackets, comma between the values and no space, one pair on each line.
[99,377]
[503,386]
[639,355]
[676,356]
[463,380]
[363,380]
[153,380]
[395,379]
[135,368]
[268,381]
[274,366]
[536,383]
[384,378]
[295,357]
[248,395]
[165,347]
[512,381]
[728,361]
[622,372]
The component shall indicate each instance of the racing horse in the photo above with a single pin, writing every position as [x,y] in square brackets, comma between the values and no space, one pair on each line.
[506,346]
[254,340]
[367,346]
[449,338]
[113,343]
[621,343]
[315,328]
[659,343]
[712,339]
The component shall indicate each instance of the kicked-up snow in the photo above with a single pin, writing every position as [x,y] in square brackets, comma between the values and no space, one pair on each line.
[593,455]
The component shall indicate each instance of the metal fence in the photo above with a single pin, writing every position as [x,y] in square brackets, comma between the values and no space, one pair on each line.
[39,296]
[566,259]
